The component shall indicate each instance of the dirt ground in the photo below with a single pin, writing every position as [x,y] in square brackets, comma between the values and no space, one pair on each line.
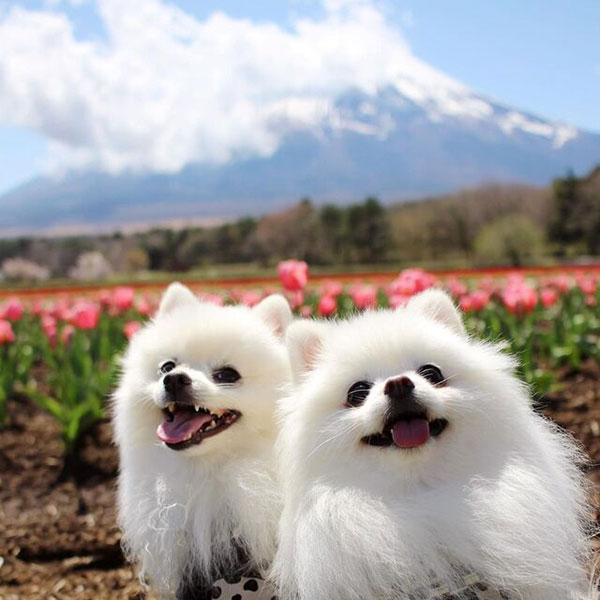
[58,539]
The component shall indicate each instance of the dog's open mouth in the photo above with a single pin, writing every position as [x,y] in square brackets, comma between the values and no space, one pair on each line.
[186,425]
[409,431]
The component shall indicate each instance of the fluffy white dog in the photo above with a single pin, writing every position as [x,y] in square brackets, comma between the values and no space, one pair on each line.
[413,463]
[194,421]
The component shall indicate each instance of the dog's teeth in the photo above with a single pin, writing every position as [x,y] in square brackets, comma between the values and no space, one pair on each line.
[171,406]
[196,407]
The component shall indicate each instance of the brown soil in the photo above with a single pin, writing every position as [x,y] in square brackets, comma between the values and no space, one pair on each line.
[58,537]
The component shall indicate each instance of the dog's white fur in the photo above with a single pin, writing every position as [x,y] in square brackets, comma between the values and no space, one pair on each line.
[180,510]
[497,492]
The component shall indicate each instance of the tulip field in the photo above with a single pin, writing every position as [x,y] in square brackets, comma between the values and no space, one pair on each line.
[59,353]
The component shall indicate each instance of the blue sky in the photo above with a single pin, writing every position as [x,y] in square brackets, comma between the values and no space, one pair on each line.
[539,56]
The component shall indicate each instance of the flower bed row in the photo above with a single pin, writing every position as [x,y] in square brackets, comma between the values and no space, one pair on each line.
[62,351]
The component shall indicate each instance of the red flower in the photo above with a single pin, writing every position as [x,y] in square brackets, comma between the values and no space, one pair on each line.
[327,306]
[475,301]
[60,309]
[85,315]
[7,335]
[331,288]
[131,328]
[250,298]
[412,281]
[518,297]
[456,287]
[397,300]
[363,295]
[105,298]
[66,334]
[586,284]
[143,306]
[293,274]
[295,299]
[560,282]
[466,303]
[37,308]
[123,298]
[12,309]
[548,296]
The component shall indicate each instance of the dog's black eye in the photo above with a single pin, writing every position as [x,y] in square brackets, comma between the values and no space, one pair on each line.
[432,373]
[358,392]
[226,375]
[167,366]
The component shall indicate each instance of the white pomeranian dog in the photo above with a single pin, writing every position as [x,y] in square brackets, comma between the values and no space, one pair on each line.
[414,467]
[194,417]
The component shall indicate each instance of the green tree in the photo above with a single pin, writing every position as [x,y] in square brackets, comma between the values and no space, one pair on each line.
[513,239]
[368,231]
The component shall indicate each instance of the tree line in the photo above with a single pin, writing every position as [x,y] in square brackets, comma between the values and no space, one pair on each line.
[491,224]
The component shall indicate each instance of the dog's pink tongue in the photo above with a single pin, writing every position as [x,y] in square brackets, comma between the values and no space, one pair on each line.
[411,433]
[184,424]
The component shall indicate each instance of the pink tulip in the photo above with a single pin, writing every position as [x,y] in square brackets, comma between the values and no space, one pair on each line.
[12,309]
[250,298]
[397,300]
[123,298]
[331,288]
[66,334]
[489,285]
[7,335]
[548,296]
[85,315]
[48,321]
[143,306]
[586,284]
[293,274]
[466,303]
[363,295]
[37,308]
[561,282]
[131,328]
[591,300]
[412,281]
[519,298]
[61,309]
[105,298]
[295,299]
[475,301]
[456,287]
[327,306]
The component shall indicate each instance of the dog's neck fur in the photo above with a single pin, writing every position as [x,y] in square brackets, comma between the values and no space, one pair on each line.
[190,517]
[516,528]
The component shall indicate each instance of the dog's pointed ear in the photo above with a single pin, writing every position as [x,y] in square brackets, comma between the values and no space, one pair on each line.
[304,340]
[276,312]
[438,306]
[176,295]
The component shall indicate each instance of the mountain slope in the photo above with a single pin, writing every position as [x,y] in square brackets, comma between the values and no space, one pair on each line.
[403,141]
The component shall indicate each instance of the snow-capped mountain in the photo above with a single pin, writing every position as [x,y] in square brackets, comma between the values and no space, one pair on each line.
[405,140]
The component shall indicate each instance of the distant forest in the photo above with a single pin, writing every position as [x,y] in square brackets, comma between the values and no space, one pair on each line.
[493,224]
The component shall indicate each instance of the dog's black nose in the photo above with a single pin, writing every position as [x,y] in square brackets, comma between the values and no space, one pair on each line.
[176,381]
[402,402]
[399,388]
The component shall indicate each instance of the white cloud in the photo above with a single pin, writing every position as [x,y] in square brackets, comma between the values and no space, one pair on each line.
[166,89]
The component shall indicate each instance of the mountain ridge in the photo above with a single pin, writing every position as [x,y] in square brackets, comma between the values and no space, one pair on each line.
[392,144]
